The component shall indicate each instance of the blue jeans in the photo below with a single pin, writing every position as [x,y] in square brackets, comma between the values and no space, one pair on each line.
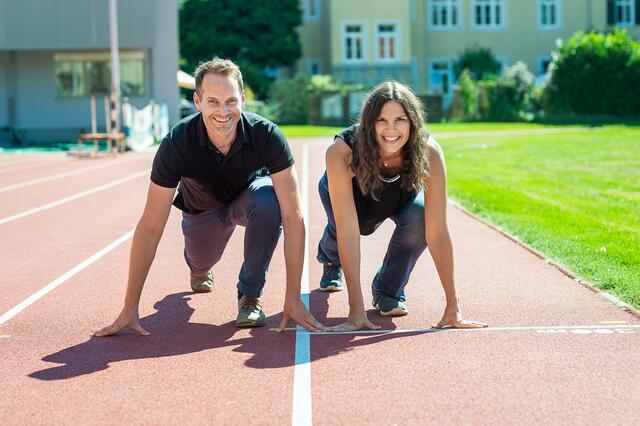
[407,244]
[206,234]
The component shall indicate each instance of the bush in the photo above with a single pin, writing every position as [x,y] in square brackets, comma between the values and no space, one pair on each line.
[468,90]
[508,97]
[595,74]
[479,61]
[289,98]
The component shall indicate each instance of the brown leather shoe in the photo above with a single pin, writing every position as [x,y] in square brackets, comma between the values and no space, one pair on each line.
[202,283]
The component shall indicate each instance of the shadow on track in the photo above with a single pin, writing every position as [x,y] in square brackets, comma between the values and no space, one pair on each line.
[172,334]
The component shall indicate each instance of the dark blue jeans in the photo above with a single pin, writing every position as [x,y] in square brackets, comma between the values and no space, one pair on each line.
[206,234]
[407,243]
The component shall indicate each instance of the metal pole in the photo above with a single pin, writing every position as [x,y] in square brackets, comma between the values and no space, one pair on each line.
[115,66]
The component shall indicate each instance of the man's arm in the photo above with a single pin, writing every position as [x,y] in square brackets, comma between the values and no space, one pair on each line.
[285,184]
[143,250]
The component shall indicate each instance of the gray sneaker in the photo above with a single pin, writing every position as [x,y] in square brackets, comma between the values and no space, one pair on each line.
[332,278]
[387,305]
[202,283]
[250,313]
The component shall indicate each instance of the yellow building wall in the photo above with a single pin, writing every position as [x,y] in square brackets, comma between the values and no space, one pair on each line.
[520,38]
[369,11]
[315,37]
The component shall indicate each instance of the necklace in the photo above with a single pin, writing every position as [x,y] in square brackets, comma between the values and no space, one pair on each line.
[391,179]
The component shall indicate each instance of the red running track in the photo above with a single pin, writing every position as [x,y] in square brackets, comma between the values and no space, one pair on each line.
[554,353]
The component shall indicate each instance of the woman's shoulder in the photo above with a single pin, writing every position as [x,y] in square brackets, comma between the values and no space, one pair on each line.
[433,147]
[348,135]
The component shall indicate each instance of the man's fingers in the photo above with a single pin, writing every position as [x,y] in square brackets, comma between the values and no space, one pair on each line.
[138,329]
[283,323]
[372,326]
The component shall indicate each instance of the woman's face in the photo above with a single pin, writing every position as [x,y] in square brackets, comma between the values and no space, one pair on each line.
[392,128]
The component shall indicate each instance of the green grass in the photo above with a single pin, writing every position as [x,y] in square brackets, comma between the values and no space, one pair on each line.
[435,128]
[309,131]
[574,196]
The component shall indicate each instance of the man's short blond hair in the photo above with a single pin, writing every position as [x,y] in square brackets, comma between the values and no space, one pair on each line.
[218,66]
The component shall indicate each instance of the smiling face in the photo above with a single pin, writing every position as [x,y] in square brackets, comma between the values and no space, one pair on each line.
[393,129]
[221,103]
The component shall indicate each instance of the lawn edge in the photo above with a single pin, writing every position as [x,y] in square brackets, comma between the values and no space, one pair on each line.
[612,299]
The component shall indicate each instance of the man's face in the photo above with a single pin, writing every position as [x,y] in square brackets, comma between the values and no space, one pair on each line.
[221,102]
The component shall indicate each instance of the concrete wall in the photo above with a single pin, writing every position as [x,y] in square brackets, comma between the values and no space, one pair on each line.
[75,24]
[33,31]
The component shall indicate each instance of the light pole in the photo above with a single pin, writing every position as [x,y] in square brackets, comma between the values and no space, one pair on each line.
[115,66]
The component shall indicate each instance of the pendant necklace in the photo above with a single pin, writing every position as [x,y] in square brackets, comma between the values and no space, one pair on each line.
[391,179]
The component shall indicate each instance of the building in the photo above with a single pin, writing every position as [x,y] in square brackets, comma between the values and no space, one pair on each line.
[417,41]
[55,53]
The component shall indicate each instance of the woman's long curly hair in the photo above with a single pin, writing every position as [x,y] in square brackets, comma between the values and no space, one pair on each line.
[365,160]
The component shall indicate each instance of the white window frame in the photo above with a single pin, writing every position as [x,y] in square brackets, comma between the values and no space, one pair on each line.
[343,38]
[315,16]
[557,4]
[493,25]
[631,18]
[310,62]
[449,5]
[450,75]
[396,35]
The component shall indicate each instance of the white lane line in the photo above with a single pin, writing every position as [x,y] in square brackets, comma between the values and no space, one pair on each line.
[62,278]
[301,406]
[63,175]
[549,328]
[74,197]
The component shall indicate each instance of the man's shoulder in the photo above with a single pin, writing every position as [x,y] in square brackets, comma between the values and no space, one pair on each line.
[257,122]
[185,129]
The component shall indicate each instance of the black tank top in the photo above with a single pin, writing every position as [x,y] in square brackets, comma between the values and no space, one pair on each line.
[372,213]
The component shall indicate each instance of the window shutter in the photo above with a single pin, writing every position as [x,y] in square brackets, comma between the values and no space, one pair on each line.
[611,20]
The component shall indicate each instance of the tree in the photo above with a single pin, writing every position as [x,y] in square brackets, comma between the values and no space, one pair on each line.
[479,60]
[255,34]
[595,74]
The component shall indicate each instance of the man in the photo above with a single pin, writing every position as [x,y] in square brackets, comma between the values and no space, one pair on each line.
[218,156]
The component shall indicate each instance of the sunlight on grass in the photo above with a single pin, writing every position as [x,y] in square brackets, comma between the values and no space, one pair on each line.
[573,196]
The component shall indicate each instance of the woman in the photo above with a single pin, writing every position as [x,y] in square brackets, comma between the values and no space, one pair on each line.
[386,167]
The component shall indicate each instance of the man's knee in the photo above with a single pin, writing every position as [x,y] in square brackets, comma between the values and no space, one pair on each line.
[264,206]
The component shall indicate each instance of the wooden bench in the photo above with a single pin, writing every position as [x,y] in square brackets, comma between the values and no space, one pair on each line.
[113,139]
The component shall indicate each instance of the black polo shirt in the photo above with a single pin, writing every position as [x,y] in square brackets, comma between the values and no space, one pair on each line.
[208,179]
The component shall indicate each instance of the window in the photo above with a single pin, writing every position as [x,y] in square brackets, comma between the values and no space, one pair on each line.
[623,12]
[353,42]
[549,14]
[488,14]
[443,14]
[313,66]
[543,64]
[387,41]
[85,74]
[441,76]
[311,10]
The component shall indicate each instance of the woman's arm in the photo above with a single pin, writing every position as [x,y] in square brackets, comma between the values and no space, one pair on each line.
[438,238]
[339,177]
